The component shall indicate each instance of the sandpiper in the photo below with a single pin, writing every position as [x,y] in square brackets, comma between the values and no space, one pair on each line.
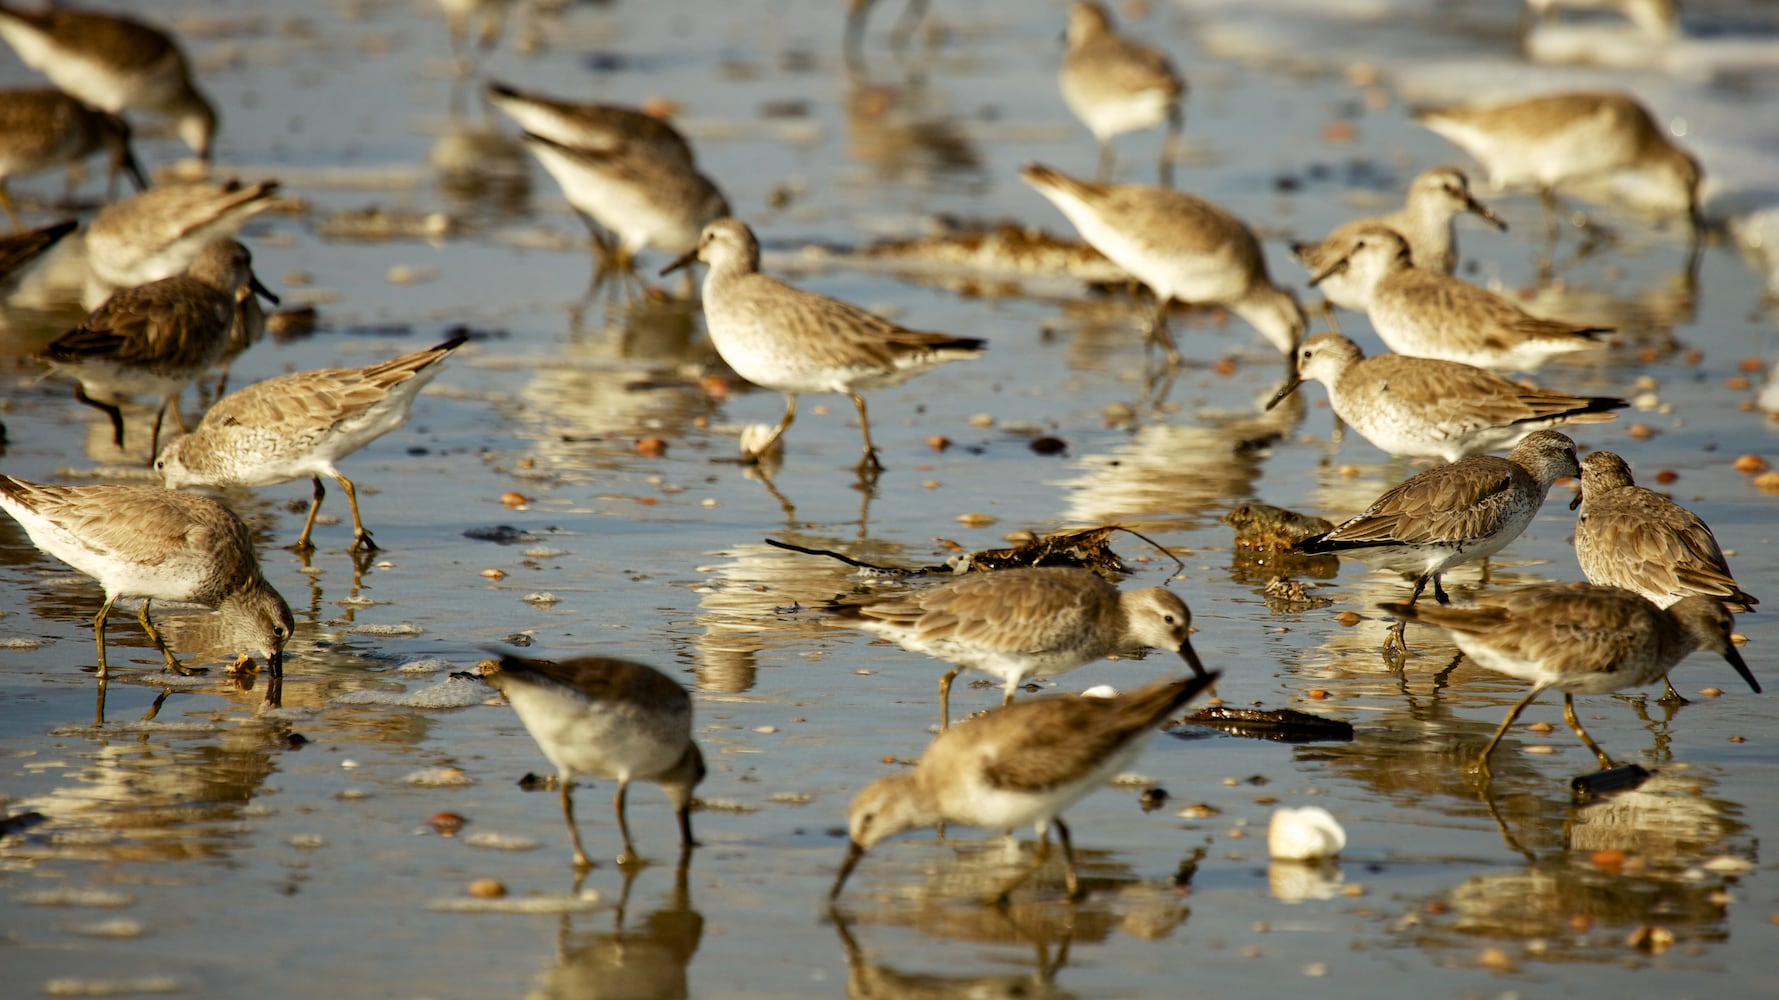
[1580,638]
[43,129]
[1426,314]
[159,232]
[586,125]
[1018,764]
[1452,514]
[647,198]
[780,337]
[1627,536]
[158,338]
[1436,197]
[1183,248]
[156,544]
[1429,408]
[1019,623]
[1558,140]
[115,63]
[299,425]
[600,717]
[1116,84]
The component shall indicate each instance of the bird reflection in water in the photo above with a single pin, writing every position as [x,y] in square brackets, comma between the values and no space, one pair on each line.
[1048,929]
[1172,478]
[1649,867]
[754,603]
[636,959]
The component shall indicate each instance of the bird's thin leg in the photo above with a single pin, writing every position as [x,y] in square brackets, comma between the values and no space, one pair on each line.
[1482,762]
[1168,142]
[303,544]
[99,633]
[580,853]
[868,463]
[790,414]
[629,856]
[1606,763]
[1671,696]
[944,697]
[1106,161]
[1159,335]
[1068,855]
[161,644]
[111,410]
[360,537]
[686,841]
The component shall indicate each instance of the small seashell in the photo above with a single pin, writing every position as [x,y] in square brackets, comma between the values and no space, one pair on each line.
[487,888]
[1309,833]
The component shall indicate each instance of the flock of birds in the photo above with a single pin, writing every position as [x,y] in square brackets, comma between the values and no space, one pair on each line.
[173,295]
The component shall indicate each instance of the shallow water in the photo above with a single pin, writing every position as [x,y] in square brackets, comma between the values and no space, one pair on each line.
[209,853]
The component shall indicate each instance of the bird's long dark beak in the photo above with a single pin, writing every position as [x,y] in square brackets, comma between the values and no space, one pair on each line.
[683,260]
[1483,210]
[262,291]
[853,853]
[1287,389]
[134,168]
[1188,654]
[1333,269]
[1735,659]
[1576,501]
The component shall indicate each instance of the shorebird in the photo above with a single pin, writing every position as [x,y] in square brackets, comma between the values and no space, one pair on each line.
[600,717]
[1426,314]
[299,425]
[45,129]
[1627,536]
[1183,248]
[1580,638]
[157,544]
[587,125]
[646,197]
[1116,84]
[1452,514]
[1434,409]
[159,232]
[1019,623]
[780,337]
[114,63]
[1558,140]
[158,338]
[1018,764]
[1426,222]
